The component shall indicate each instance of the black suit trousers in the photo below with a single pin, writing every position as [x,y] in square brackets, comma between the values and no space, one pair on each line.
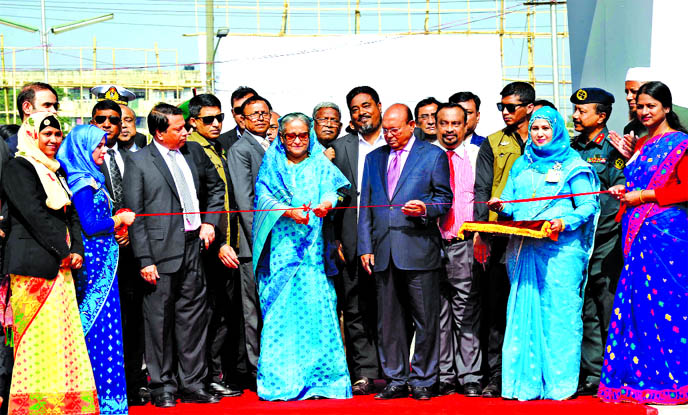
[356,298]
[176,321]
[400,294]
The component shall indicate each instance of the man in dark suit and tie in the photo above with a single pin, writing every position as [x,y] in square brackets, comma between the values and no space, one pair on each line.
[170,175]
[243,161]
[228,138]
[107,115]
[356,290]
[401,247]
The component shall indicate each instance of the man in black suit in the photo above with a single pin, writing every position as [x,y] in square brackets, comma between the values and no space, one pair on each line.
[401,249]
[172,176]
[241,94]
[129,138]
[107,115]
[243,161]
[356,296]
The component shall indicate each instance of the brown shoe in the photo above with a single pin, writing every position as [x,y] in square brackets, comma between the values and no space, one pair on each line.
[363,386]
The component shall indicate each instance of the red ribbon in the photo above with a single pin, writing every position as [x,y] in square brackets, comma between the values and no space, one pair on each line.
[307,208]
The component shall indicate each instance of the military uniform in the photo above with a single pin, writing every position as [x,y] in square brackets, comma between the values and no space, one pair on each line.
[606,261]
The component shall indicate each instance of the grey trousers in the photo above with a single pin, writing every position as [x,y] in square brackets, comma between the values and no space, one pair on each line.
[253,320]
[460,355]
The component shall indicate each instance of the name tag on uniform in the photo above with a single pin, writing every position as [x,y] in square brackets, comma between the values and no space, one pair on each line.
[554,174]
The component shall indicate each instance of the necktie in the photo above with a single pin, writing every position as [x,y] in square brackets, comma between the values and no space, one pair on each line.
[116,180]
[393,173]
[449,223]
[187,201]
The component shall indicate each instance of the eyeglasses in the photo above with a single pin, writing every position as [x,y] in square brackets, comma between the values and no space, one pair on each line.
[391,131]
[291,137]
[328,121]
[510,108]
[100,119]
[426,117]
[207,120]
[258,115]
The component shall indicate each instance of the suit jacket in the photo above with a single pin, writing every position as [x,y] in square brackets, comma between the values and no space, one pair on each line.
[345,220]
[243,161]
[37,239]
[413,243]
[228,138]
[149,187]
[140,140]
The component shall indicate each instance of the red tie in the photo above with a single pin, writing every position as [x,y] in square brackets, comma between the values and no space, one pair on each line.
[450,215]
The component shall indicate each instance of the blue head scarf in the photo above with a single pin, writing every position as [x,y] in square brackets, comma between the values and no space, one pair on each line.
[543,158]
[76,157]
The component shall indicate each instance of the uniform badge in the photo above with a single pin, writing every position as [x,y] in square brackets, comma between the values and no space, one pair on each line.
[112,94]
[554,174]
[581,94]
[599,138]
[619,164]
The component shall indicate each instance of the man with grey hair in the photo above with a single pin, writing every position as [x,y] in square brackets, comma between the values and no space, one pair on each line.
[327,125]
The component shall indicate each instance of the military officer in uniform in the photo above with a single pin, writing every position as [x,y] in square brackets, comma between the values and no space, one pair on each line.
[593,106]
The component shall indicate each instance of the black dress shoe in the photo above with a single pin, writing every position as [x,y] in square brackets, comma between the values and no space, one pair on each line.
[493,389]
[145,393]
[446,388]
[165,400]
[363,386]
[393,392]
[472,389]
[224,390]
[199,396]
[420,393]
[587,389]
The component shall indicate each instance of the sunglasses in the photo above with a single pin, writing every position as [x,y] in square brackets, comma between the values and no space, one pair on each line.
[100,119]
[207,120]
[291,137]
[510,108]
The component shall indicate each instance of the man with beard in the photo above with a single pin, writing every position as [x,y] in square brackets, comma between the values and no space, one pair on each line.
[593,107]
[496,156]
[460,356]
[357,294]
[107,115]
[243,161]
[425,119]
[237,99]
[471,104]
[327,125]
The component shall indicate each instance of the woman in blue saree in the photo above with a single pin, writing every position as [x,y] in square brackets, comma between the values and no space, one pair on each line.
[302,355]
[646,356]
[97,292]
[544,329]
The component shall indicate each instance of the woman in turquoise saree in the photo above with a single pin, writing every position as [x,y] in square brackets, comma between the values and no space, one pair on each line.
[646,356]
[544,329]
[302,355]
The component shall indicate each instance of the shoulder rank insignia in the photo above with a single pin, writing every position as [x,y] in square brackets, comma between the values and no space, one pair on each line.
[599,138]
[619,164]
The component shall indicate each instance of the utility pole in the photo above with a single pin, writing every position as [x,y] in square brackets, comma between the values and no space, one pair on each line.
[555,47]
[209,45]
[44,42]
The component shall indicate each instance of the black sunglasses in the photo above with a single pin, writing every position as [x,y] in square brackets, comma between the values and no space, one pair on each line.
[209,119]
[99,119]
[510,108]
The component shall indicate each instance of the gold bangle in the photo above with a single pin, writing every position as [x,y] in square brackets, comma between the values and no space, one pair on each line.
[117,220]
[641,196]
[563,225]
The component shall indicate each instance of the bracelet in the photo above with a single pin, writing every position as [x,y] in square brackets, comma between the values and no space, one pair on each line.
[641,196]
[118,221]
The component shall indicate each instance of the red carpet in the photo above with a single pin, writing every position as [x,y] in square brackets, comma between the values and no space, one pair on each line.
[363,405]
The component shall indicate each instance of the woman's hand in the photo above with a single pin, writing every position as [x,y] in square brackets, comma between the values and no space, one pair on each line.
[297,215]
[495,204]
[632,198]
[617,191]
[556,225]
[76,261]
[623,144]
[127,218]
[66,262]
[322,209]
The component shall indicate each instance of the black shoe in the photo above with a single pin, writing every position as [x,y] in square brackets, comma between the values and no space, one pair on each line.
[393,392]
[421,393]
[223,390]
[145,393]
[165,400]
[446,388]
[363,386]
[199,396]
[472,389]
[493,389]
[587,389]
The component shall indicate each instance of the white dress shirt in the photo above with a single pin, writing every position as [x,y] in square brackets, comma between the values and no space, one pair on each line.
[364,148]
[191,222]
